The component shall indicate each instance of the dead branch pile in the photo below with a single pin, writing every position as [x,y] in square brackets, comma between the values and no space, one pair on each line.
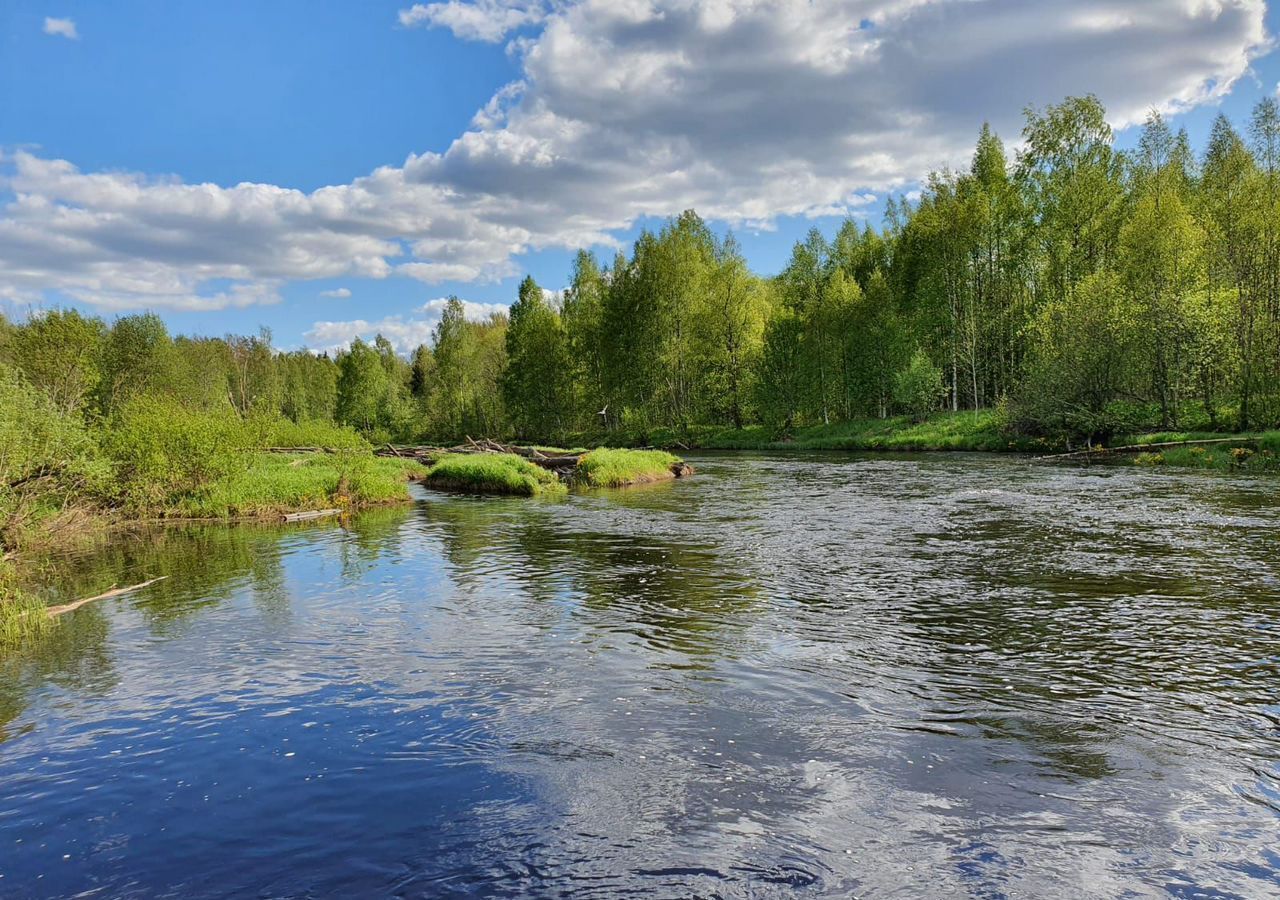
[561,464]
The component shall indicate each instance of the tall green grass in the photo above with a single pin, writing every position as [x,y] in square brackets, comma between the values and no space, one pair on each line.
[492,473]
[275,483]
[22,616]
[605,467]
[1258,454]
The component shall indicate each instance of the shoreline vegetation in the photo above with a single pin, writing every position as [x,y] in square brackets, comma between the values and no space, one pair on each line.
[1070,295]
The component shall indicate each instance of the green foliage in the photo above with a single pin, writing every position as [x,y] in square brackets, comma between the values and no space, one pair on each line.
[363,388]
[918,388]
[492,473]
[282,432]
[780,384]
[46,458]
[535,384]
[59,352]
[617,468]
[274,483]
[138,358]
[460,390]
[1084,360]
[162,450]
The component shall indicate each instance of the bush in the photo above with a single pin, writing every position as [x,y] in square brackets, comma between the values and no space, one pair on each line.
[918,389]
[161,450]
[282,432]
[46,458]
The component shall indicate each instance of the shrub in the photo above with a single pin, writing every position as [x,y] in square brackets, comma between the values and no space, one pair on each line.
[282,432]
[918,389]
[46,458]
[161,450]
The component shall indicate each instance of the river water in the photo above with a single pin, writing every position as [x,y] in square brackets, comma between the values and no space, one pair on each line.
[910,676]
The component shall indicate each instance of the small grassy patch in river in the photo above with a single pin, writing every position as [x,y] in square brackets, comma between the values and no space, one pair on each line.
[492,473]
[605,467]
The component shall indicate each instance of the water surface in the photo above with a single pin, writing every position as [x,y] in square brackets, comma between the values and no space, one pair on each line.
[907,676]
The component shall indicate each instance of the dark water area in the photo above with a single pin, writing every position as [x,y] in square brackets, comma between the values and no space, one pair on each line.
[917,676]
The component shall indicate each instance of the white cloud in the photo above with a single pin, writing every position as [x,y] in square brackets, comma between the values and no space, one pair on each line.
[405,334]
[480,20]
[61,28]
[339,293]
[745,110]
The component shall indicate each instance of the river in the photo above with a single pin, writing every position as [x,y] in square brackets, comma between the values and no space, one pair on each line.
[908,676]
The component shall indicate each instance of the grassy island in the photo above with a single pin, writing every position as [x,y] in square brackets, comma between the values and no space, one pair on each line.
[549,471]
[492,473]
[606,467]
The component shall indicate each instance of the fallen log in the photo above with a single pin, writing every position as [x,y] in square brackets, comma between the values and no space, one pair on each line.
[487,445]
[311,514]
[55,611]
[1098,452]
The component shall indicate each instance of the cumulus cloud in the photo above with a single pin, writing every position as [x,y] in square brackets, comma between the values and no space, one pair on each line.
[481,20]
[339,293]
[404,333]
[743,109]
[61,28]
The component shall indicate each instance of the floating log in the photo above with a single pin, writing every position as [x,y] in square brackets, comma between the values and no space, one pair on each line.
[55,611]
[1099,452]
[312,514]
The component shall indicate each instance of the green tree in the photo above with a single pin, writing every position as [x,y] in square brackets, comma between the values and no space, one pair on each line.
[780,383]
[1085,351]
[536,382]
[362,388]
[138,359]
[918,388]
[59,352]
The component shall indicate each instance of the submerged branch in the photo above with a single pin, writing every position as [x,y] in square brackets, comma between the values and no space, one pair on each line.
[55,611]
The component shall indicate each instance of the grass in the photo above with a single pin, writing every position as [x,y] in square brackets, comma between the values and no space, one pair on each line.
[980,431]
[22,616]
[277,483]
[604,467]
[1262,456]
[492,473]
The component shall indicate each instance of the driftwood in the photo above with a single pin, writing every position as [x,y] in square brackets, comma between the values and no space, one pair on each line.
[312,514]
[55,611]
[429,454]
[1102,452]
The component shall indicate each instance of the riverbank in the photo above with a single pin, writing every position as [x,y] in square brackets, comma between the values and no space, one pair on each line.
[256,485]
[971,432]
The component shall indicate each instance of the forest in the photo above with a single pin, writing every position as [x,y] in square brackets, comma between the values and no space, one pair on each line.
[1070,291]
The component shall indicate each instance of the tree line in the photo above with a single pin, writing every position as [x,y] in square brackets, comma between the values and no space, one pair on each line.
[1078,288]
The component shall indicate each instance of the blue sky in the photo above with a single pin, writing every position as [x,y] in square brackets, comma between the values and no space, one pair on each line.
[770,116]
